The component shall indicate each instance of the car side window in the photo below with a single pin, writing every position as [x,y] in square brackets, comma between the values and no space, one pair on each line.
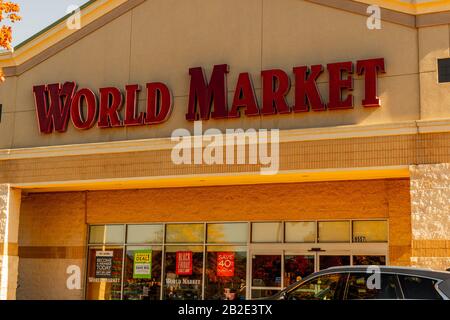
[419,288]
[372,286]
[324,287]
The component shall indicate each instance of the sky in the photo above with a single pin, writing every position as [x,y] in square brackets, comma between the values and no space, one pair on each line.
[38,14]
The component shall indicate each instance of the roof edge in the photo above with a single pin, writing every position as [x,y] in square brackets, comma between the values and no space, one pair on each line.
[57,36]
[54,24]
[56,32]
[405,6]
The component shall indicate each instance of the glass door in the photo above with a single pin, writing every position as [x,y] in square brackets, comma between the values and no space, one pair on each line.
[266,274]
[298,266]
[330,259]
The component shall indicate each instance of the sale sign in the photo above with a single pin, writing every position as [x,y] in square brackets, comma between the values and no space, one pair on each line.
[142,264]
[184,263]
[103,264]
[225,264]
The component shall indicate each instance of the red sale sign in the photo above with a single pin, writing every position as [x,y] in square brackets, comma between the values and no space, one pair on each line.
[184,263]
[225,264]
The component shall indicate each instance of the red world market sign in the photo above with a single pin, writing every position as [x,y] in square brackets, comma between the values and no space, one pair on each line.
[57,103]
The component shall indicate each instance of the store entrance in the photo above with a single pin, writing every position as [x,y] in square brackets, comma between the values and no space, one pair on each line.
[271,270]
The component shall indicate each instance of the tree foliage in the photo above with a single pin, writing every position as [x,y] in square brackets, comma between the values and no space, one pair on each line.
[8,12]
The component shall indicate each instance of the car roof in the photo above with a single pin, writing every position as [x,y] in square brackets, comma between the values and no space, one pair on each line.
[443,275]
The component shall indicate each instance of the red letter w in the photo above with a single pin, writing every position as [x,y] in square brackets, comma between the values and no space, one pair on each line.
[53,106]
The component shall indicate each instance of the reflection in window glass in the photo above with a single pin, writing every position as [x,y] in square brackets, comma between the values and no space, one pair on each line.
[225,273]
[262,293]
[326,262]
[300,231]
[142,278]
[334,231]
[112,233]
[183,273]
[320,288]
[266,271]
[297,267]
[184,233]
[145,233]
[369,260]
[370,231]
[266,232]
[357,287]
[104,273]
[419,288]
[227,232]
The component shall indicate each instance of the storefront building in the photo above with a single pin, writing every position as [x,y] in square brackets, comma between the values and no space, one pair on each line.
[94,206]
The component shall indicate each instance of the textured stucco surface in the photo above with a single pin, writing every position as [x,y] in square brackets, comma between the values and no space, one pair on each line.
[436,263]
[9,228]
[3,210]
[430,215]
[430,201]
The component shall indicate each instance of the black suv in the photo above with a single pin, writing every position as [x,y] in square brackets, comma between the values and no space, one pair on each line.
[369,282]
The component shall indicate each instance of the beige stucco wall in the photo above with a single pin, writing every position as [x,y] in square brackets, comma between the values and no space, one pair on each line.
[10,200]
[52,238]
[160,40]
[430,215]
[434,97]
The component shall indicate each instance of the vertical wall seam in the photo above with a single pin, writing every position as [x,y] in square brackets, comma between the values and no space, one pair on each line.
[261,50]
[130,44]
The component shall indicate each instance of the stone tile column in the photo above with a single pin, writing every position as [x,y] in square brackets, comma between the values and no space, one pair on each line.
[430,215]
[10,199]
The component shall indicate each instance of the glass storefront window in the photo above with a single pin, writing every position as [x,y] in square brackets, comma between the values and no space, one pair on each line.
[193,261]
[266,232]
[111,233]
[226,268]
[328,261]
[104,273]
[142,277]
[262,293]
[227,232]
[185,233]
[266,270]
[334,231]
[183,273]
[297,267]
[300,231]
[145,233]
[369,260]
[370,231]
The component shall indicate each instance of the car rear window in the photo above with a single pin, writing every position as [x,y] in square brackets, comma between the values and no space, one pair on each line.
[419,288]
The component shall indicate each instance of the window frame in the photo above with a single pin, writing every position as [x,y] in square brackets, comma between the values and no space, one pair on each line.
[316,230]
[438,76]
[369,220]
[281,226]
[350,230]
